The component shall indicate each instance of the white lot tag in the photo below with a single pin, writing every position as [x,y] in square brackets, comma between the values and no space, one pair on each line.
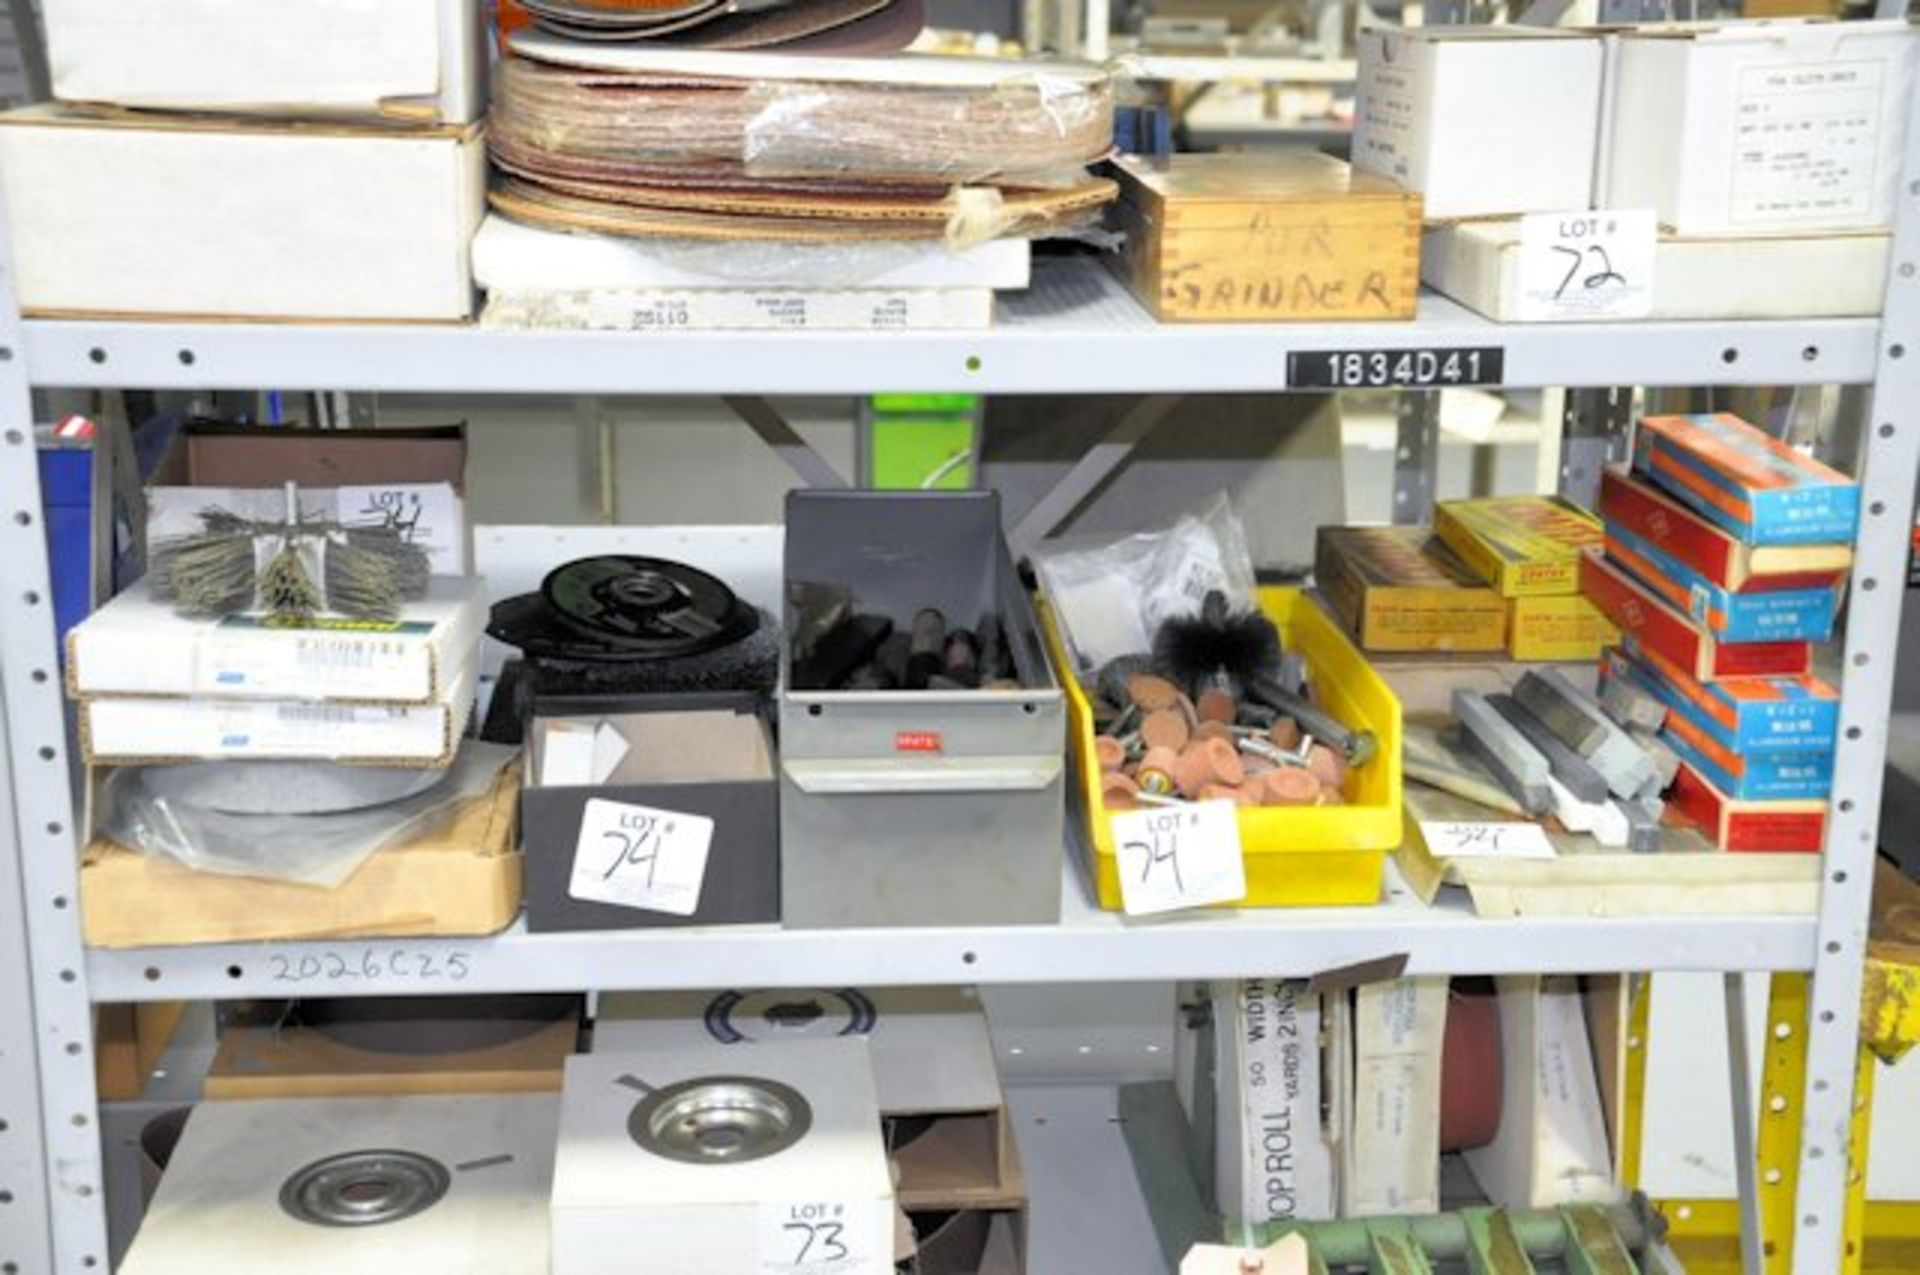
[1587,265]
[639,857]
[1184,856]
[426,514]
[825,1237]
[1510,839]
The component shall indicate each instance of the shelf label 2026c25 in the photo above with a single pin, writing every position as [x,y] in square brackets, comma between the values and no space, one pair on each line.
[1388,369]
[372,963]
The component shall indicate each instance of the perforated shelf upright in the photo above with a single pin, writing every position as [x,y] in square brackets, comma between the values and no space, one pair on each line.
[1075,332]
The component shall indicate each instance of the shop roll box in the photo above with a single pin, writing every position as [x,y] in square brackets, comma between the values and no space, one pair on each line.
[903,807]
[1296,856]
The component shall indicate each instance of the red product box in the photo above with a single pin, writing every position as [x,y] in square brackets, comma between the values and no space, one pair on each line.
[1757,827]
[1636,610]
[1665,523]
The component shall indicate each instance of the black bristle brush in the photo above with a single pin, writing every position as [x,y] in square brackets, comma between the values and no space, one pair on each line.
[1195,651]
[1239,652]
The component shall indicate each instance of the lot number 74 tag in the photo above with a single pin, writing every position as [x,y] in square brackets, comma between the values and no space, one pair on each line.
[639,857]
[1184,856]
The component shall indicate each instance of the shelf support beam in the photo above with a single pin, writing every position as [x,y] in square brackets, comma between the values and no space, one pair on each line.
[1090,472]
[785,440]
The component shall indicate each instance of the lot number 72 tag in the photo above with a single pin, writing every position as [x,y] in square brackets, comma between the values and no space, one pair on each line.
[1184,856]
[639,857]
[1587,265]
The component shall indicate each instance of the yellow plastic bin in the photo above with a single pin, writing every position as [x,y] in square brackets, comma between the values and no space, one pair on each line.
[1297,856]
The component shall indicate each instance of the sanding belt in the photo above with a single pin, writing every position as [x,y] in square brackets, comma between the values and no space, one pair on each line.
[1470,1067]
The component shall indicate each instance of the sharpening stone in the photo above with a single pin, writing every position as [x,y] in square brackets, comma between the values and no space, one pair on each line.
[1569,767]
[1630,706]
[1506,751]
[1581,726]
[1643,823]
[1548,695]
[1666,762]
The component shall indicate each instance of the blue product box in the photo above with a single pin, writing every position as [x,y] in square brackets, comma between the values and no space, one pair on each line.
[1743,715]
[1782,615]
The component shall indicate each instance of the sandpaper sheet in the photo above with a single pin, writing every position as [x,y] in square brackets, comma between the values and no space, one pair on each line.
[1019,131]
[1026,213]
[715,174]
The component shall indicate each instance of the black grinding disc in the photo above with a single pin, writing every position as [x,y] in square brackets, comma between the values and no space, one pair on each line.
[646,607]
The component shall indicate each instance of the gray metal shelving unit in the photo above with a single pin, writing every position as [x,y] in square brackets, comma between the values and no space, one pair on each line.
[1075,332]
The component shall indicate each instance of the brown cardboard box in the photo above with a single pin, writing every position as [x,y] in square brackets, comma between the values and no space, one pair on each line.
[1291,235]
[482,1055]
[215,454]
[463,878]
[1397,589]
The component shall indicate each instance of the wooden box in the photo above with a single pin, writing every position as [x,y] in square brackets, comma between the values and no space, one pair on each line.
[463,878]
[1291,235]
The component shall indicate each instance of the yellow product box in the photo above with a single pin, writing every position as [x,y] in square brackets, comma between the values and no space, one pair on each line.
[1296,856]
[1524,546]
[1562,628]
[1398,589]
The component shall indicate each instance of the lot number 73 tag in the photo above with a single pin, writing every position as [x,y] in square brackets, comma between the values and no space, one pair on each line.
[1587,265]
[1184,856]
[639,857]
[825,1237]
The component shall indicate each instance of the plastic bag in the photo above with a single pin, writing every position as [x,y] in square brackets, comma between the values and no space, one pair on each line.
[320,850]
[1110,596]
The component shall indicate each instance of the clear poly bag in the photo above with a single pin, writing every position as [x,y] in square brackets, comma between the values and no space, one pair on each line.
[308,849]
[1028,130]
[1110,596]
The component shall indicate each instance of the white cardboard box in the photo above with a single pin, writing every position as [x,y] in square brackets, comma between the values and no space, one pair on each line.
[414,60]
[1481,121]
[136,645]
[144,731]
[1275,1160]
[234,219]
[1477,263]
[930,1047]
[1560,1049]
[510,257]
[218,1209]
[1760,127]
[620,1206]
[1391,1156]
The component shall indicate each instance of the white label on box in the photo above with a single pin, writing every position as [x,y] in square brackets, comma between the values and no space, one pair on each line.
[825,1237]
[1806,141]
[425,514]
[1587,265]
[1510,839]
[1183,856]
[639,857]
[1289,1169]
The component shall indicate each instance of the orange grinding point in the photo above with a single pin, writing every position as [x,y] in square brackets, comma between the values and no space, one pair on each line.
[1165,728]
[1150,693]
[1210,761]
[1156,770]
[1110,752]
[1289,786]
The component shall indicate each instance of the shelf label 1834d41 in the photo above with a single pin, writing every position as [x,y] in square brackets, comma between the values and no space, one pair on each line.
[1179,856]
[1433,368]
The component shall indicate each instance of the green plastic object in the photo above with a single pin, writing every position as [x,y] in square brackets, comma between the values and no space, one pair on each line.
[922,441]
